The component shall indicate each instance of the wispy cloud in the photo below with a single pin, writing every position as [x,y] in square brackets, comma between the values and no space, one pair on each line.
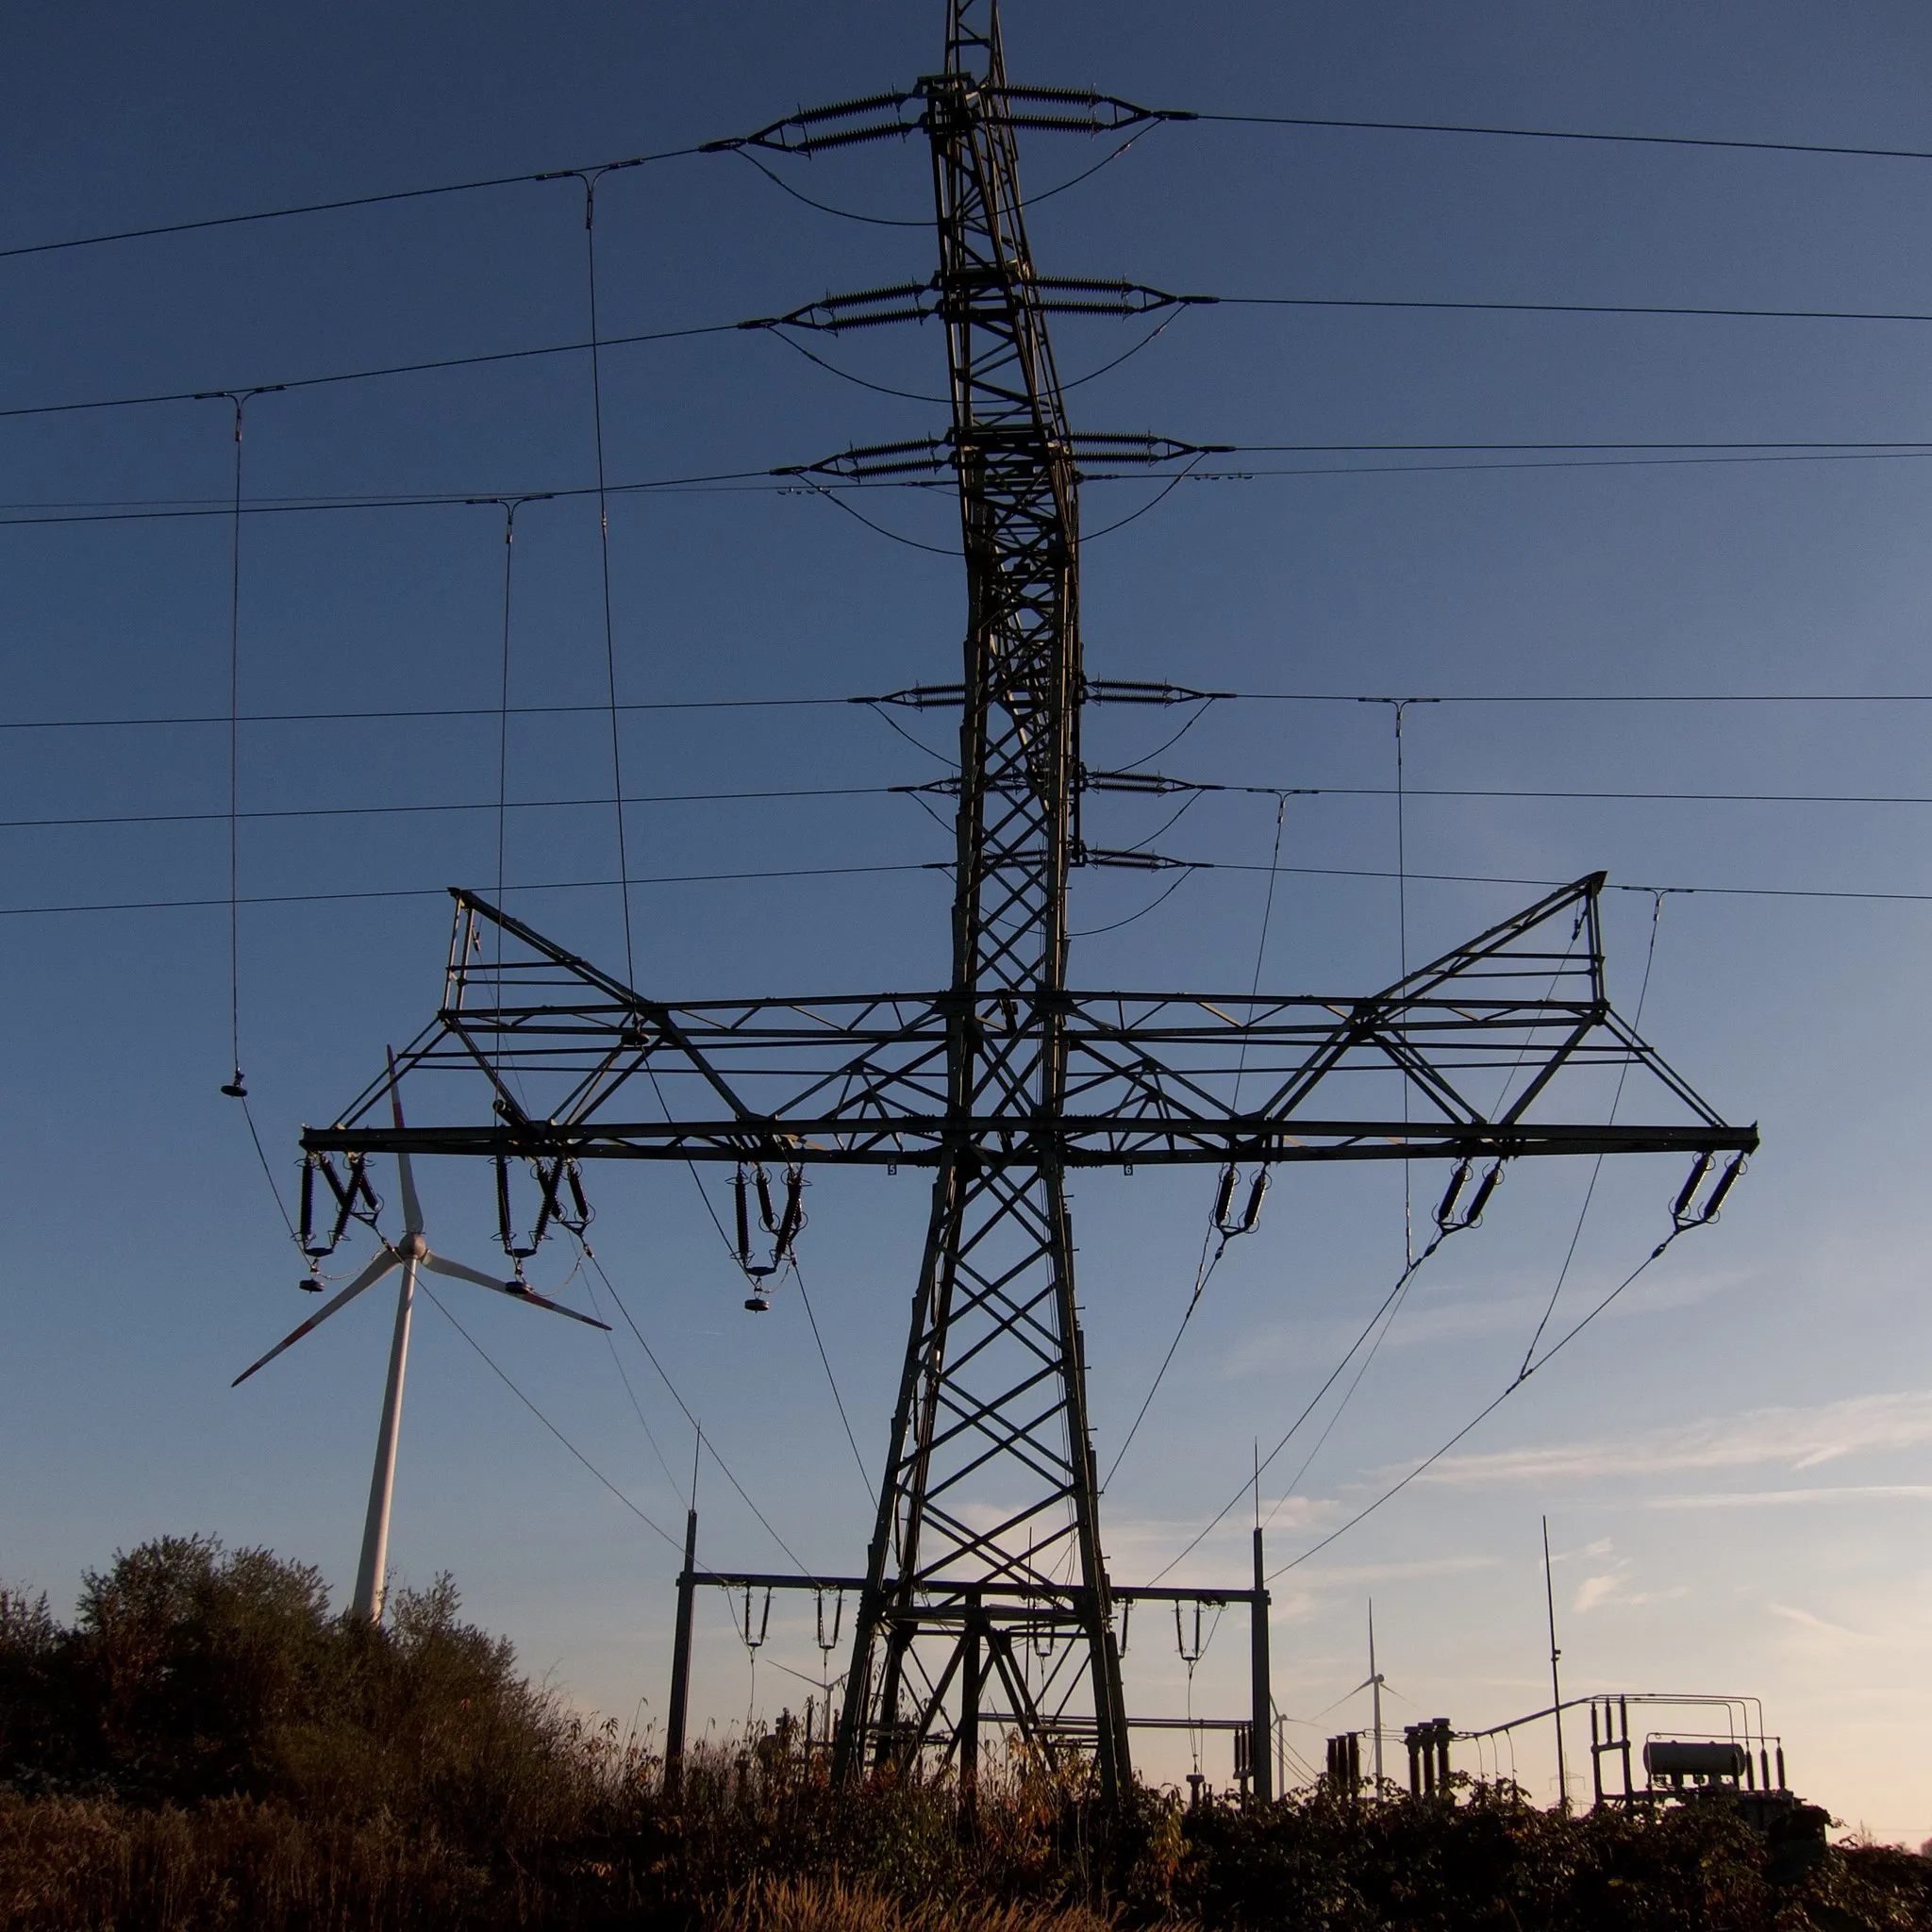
[1453,1310]
[1850,1492]
[1834,1636]
[1352,1576]
[1612,1586]
[1593,1591]
[1795,1438]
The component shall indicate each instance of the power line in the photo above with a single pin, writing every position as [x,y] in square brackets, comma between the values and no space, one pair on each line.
[630,1322]
[1384,1307]
[1697,312]
[1482,1415]
[1454,878]
[1217,1225]
[410,713]
[783,480]
[687,878]
[1307,121]
[1526,791]
[357,811]
[1549,447]
[815,872]
[1859,455]
[407,713]
[1706,311]
[1829,697]
[786,481]
[320,207]
[490,1362]
[734,482]
[832,1381]
[1691,141]
[196,396]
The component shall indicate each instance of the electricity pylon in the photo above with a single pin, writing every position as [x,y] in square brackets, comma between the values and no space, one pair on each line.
[986,1597]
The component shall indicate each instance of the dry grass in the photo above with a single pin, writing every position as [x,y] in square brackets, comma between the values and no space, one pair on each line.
[829,1905]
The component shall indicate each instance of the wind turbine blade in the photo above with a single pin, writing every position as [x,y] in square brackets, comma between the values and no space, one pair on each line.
[438,1264]
[525,1294]
[374,1273]
[412,1207]
[458,1271]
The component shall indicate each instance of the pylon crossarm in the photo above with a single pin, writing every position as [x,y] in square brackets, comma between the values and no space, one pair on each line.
[1153,1077]
[884,117]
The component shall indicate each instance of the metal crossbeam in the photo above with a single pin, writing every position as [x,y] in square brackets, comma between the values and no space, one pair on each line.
[986,1598]
[1476,1039]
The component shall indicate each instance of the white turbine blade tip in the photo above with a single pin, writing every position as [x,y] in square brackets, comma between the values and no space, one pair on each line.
[516,1290]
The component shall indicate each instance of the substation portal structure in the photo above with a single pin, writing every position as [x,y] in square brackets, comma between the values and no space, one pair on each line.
[985,1599]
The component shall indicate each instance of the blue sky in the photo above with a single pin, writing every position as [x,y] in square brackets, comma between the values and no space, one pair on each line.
[1733,1463]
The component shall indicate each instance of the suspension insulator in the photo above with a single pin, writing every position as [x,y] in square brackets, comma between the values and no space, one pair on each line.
[1484,1188]
[344,1192]
[1257,1194]
[1726,1181]
[794,1218]
[1681,1205]
[505,1232]
[740,1202]
[358,1183]
[767,1215]
[308,1246]
[1453,1193]
[577,1197]
[1224,1200]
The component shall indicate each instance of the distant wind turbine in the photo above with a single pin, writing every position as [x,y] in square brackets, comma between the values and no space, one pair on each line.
[409,1254]
[1374,1682]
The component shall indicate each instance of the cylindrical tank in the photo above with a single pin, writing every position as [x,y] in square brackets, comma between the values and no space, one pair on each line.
[1676,1758]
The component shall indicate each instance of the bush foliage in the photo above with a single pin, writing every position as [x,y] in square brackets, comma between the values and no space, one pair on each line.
[207,1747]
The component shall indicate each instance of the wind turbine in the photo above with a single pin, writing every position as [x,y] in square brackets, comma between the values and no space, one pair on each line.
[409,1254]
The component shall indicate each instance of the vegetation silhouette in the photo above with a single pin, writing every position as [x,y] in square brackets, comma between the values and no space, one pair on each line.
[208,1747]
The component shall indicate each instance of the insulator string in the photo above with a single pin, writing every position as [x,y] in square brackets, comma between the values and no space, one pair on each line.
[589,181]
[238,401]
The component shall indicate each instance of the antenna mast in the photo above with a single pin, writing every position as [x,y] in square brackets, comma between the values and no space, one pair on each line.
[1555,1683]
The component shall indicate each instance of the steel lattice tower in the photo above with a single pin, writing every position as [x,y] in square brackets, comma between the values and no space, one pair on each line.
[993,1399]
[985,1597]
